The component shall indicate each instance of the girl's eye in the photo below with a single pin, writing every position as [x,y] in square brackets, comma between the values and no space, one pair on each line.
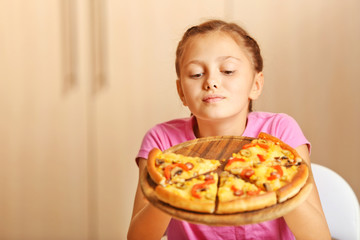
[197,75]
[228,72]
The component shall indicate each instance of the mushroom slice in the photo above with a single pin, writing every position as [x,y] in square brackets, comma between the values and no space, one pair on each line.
[267,187]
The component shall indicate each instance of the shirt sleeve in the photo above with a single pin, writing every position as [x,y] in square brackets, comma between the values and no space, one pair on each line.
[289,131]
[152,139]
[165,135]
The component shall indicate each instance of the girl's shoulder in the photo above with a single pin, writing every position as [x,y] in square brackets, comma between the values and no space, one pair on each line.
[266,116]
[280,125]
[260,118]
[166,134]
[174,125]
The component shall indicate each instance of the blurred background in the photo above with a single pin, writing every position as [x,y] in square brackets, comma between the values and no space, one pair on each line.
[81,81]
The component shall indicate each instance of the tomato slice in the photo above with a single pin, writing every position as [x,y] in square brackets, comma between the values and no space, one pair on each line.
[253,192]
[249,145]
[230,161]
[262,145]
[247,173]
[237,192]
[261,157]
[276,174]
[196,187]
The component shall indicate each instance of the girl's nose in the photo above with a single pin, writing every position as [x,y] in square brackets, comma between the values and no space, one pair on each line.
[211,83]
[211,86]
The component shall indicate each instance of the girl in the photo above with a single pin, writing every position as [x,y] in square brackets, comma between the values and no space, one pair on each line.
[219,69]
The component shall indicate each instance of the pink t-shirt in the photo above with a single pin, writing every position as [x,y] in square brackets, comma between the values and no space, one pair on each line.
[168,134]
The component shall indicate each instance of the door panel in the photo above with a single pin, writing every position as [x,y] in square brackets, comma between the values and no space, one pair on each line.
[43,184]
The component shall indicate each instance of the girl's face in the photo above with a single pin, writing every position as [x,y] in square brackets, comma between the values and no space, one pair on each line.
[217,77]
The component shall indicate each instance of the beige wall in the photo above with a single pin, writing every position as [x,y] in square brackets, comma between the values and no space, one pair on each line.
[69,168]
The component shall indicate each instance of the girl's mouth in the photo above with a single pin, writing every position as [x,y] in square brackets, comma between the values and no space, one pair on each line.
[212,98]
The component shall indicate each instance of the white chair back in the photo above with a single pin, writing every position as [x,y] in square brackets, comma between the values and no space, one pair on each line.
[339,202]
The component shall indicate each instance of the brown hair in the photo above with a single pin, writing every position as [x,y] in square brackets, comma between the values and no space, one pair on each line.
[234,30]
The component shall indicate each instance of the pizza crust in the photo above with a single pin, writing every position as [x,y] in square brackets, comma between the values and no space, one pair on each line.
[291,189]
[176,200]
[247,203]
[154,174]
[283,145]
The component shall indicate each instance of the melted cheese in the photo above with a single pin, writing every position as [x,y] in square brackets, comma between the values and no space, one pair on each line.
[200,165]
[226,192]
[184,189]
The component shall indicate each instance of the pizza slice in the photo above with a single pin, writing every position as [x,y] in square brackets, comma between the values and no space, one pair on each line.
[285,181]
[280,152]
[237,195]
[275,167]
[196,194]
[239,160]
[288,172]
[166,168]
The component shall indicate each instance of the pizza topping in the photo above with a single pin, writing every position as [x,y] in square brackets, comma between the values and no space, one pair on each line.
[249,145]
[258,164]
[200,187]
[189,165]
[262,145]
[261,157]
[234,160]
[168,171]
[209,196]
[253,192]
[287,153]
[298,161]
[288,165]
[180,185]
[159,162]
[209,177]
[236,171]
[247,172]
[267,187]
[236,191]
[245,152]
[176,171]
[262,141]
[276,174]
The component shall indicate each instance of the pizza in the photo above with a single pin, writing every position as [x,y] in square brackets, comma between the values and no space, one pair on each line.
[167,168]
[264,172]
[196,194]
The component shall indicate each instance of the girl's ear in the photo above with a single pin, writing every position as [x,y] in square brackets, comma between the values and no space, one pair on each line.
[180,92]
[257,86]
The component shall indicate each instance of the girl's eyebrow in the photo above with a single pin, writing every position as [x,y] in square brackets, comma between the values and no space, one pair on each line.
[219,59]
[223,58]
[198,62]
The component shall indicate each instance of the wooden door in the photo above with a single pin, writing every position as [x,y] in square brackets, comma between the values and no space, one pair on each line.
[44,129]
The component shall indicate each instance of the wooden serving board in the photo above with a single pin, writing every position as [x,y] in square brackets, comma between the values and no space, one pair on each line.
[219,148]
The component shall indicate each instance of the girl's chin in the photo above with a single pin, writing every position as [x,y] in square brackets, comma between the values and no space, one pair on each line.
[213,117]
[217,116]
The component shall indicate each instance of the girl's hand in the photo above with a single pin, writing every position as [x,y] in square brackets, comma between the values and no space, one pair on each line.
[308,220]
[147,222]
